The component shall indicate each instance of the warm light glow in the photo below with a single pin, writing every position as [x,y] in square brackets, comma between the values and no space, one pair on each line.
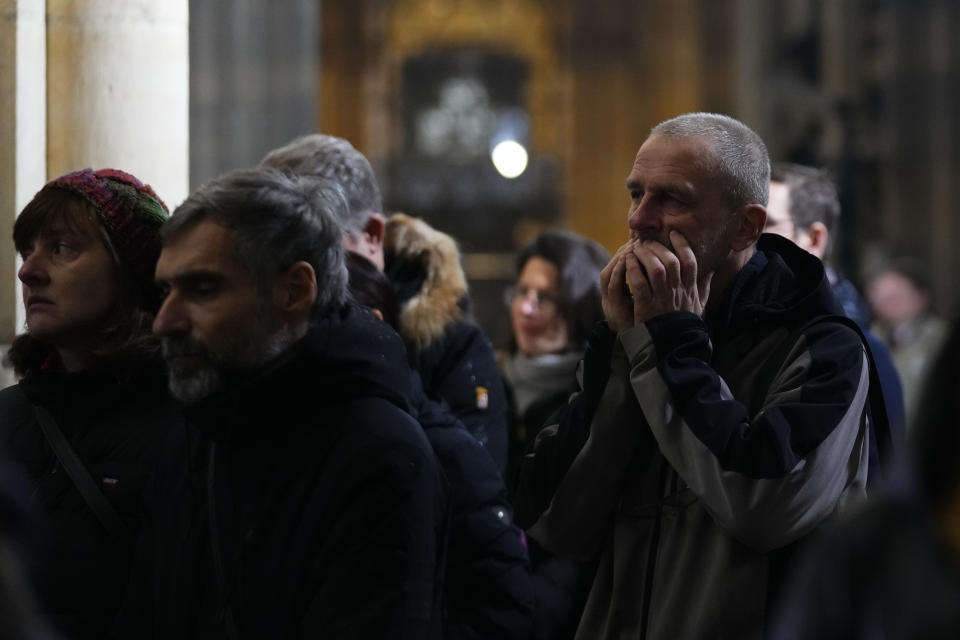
[510,158]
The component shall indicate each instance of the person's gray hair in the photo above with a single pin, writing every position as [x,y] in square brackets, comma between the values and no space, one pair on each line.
[277,220]
[335,159]
[741,160]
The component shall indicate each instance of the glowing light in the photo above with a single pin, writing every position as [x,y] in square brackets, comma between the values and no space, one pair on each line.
[510,158]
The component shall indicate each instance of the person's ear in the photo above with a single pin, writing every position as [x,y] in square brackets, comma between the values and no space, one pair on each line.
[375,229]
[816,239]
[371,245]
[295,291]
[749,226]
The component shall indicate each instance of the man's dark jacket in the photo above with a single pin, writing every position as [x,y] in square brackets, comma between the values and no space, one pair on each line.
[326,502]
[115,416]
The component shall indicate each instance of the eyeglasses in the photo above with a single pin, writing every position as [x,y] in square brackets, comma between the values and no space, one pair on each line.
[543,300]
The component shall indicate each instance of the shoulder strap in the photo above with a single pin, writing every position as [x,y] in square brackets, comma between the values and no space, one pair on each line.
[880,422]
[85,484]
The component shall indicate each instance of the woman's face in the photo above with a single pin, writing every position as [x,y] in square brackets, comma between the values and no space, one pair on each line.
[70,284]
[535,314]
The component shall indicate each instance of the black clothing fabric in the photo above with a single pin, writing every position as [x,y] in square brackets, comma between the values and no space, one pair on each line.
[856,310]
[453,355]
[487,591]
[326,502]
[536,387]
[19,522]
[562,437]
[887,573]
[458,368]
[523,428]
[115,415]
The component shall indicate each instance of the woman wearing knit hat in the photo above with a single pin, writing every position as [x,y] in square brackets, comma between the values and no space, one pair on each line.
[86,420]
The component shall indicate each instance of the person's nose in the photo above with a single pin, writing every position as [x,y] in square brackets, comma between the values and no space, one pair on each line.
[528,304]
[33,272]
[645,215]
[171,319]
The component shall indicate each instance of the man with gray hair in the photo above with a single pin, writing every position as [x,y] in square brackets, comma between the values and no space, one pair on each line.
[453,356]
[335,159]
[303,500]
[720,422]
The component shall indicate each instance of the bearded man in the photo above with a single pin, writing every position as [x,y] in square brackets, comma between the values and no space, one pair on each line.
[302,500]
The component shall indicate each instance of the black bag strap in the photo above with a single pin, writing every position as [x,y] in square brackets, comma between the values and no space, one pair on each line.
[880,422]
[84,483]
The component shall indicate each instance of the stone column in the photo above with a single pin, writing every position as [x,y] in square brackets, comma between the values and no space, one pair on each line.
[118,90]
[22,140]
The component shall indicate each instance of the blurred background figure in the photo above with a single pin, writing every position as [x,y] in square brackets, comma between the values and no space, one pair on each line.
[804,207]
[904,317]
[893,570]
[87,417]
[487,592]
[553,304]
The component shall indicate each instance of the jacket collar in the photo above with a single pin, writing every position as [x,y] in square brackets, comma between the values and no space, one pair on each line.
[781,281]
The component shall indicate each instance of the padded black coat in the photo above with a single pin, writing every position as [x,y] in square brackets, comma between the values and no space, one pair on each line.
[487,592]
[115,416]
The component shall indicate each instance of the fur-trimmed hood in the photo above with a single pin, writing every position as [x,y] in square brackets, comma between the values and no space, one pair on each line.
[424,266]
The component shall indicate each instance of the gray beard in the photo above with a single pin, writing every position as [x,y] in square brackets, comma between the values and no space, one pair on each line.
[209,370]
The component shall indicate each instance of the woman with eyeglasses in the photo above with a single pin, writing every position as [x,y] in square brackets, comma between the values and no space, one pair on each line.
[553,304]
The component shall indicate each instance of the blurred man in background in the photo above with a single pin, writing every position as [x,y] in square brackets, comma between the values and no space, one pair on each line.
[804,207]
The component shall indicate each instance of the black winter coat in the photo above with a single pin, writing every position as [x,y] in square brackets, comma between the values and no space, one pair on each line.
[325,501]
[459,367]
[487,591]
[115,417]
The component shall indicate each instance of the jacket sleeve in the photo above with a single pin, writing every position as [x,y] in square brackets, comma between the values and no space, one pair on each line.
[377,571]
[771,477]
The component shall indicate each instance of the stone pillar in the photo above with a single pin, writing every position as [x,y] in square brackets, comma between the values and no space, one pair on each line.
[22,140]
[118,90]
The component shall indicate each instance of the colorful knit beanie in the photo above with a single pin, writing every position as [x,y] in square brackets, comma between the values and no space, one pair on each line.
[132,214]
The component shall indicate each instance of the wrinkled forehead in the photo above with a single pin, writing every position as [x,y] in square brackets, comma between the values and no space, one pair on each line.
[675,163]
[678,153]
